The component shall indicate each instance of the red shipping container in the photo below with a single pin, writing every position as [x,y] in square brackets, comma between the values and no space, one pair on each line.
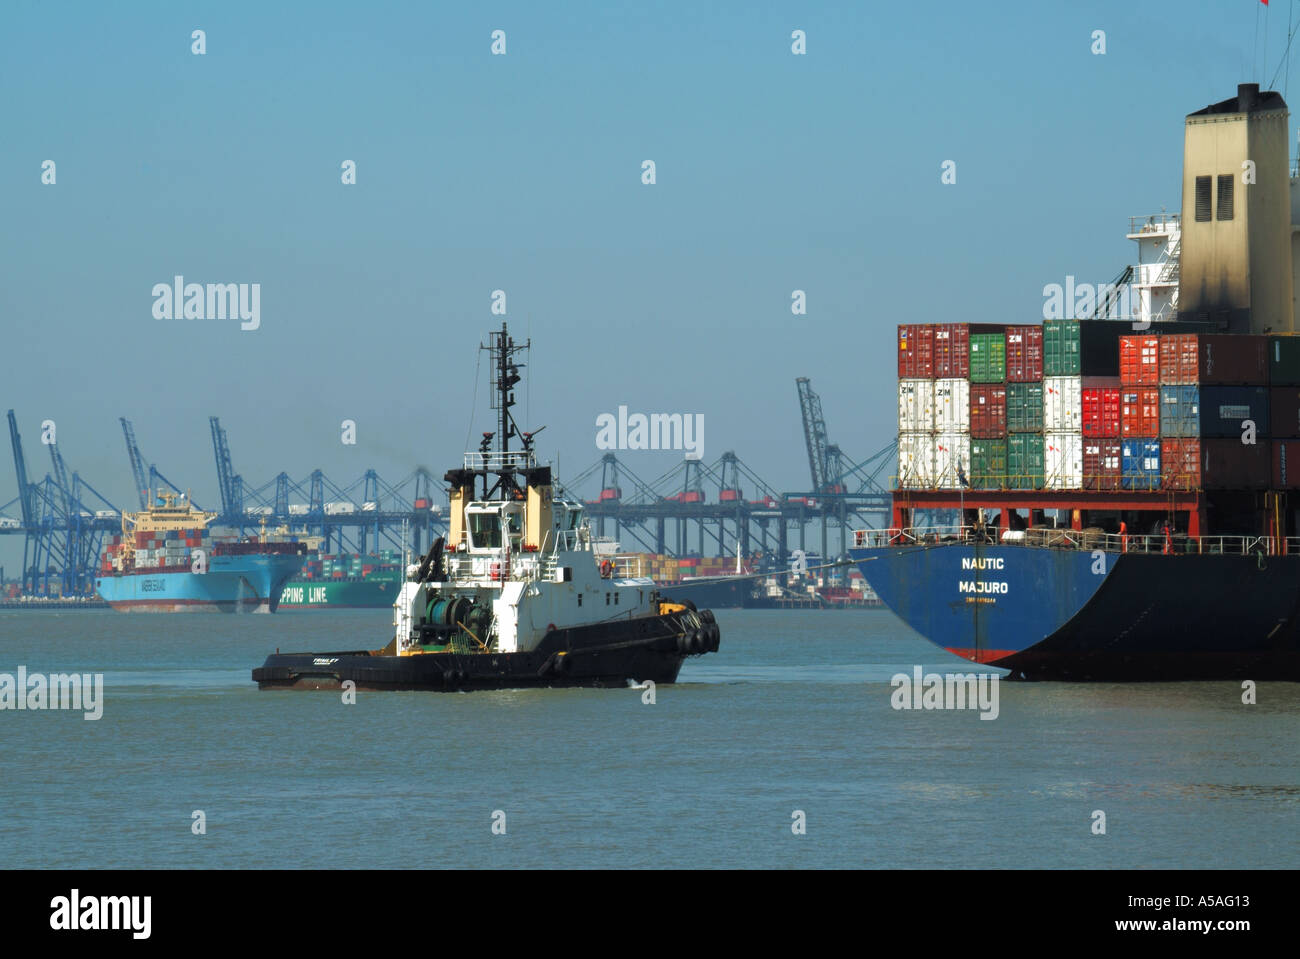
[951,351]
[1102,464]
[1139,360]
[1024,354]
[916,351]
[988,411]
[1180,464]
[1231,360]
[1284,412]
[1178,360]
[1286,464]
[1139,413]
[1101,412]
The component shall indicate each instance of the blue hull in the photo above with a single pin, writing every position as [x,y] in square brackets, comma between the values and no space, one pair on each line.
[246,583]
[1069,614]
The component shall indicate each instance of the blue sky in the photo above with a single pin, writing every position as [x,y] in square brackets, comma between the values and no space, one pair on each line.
[521,172]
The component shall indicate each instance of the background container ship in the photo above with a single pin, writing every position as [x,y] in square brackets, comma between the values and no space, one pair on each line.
[166,560]
[346,581]
[1124,489]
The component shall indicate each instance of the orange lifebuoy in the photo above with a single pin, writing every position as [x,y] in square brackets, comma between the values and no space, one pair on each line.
[606,568]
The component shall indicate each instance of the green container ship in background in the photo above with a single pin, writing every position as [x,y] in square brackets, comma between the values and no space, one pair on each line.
[346,581]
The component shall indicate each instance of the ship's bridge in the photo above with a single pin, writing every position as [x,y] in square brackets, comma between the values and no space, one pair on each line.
[490,526]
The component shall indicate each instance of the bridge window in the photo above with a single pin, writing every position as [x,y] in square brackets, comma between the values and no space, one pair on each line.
[485,530]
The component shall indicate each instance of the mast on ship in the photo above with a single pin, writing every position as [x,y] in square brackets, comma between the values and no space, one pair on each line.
[502,350]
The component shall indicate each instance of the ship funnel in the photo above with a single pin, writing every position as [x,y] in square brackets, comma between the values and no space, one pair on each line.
[1235,258]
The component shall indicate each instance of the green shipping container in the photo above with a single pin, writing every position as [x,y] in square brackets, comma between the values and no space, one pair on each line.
[1284,360]
[1024,407]
[1061,348]
[988,464]
[1025,461]
[988,358]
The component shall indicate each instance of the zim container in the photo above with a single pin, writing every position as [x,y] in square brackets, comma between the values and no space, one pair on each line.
[988,412]
[988,358]
[1102,464]
[1024,354]
[952,405]
[1024,407]
[951,350]
[915,406]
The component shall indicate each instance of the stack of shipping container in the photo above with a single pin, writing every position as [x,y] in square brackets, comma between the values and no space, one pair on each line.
[1093,405]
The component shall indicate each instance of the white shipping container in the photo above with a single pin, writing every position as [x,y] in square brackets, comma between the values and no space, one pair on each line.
[915,406]
[298,509]
[952,406]
[1063,459]
[916,460]
[951,460]
[1062,404]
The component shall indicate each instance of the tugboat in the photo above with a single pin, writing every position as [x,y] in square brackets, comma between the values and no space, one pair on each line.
[514,596]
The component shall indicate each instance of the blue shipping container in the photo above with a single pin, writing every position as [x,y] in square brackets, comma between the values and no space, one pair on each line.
[1141,464]
[1225,408]
[1180,416]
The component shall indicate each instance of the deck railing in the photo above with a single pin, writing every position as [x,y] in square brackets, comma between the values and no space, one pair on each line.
[1046,536]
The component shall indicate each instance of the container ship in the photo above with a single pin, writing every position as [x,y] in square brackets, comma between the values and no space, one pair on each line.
[345,581]
[1122,489]
[167,560]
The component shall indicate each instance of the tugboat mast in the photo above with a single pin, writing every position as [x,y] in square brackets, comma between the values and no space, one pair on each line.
[502,348]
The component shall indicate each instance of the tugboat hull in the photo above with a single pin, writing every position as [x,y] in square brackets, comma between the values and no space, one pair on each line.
[599,655]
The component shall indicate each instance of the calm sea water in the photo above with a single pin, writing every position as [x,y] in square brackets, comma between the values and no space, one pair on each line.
[792,714]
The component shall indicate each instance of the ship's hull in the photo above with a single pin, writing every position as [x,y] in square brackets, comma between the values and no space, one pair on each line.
[598,655]
[367,593]
[1074,615]
[242,583]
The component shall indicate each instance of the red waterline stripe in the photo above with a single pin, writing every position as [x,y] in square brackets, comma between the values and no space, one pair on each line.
[981,655]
